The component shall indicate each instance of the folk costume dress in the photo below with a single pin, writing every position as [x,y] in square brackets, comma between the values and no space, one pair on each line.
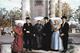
[56,42]
[18,41]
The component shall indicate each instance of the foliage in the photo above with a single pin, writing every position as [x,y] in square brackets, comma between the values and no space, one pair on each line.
[66,9]
[16,14]
[7,17]
[6,23]
[77,13]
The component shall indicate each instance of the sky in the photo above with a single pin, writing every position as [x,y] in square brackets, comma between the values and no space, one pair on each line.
[73,3]
[10,4]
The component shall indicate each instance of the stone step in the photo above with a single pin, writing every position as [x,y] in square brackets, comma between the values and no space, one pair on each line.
[41,51]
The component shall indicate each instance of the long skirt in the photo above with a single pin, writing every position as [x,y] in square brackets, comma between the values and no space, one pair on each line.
[56,42]
[46,42]
[34,42]
[27,42]
[39,41]
[17,45]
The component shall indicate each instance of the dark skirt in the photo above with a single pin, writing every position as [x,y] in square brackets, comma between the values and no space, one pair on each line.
[27,42]
[46,42]
[39,38]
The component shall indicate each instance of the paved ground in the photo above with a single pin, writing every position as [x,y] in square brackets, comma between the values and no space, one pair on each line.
[41,51]
[75,48]
[7,38]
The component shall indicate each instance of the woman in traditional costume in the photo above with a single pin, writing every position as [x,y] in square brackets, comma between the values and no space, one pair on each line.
[38,34]
[56,42]
[18,41]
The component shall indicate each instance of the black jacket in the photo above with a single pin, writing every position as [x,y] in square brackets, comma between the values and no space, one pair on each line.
[64,29]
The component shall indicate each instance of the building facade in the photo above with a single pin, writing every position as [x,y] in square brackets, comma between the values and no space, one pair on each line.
[42,8]
[39,8]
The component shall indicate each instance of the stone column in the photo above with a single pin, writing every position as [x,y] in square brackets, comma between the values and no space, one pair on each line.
[60,8]
[25,8]
[5,43]
[0,31]
[6,48]
[52,8]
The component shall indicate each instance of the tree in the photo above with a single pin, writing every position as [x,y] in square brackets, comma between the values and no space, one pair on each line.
[56,10]
[66,9]
[77,13]
[7,17]
[3,13]
[15,13]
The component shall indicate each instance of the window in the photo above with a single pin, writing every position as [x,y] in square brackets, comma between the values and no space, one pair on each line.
[38,2]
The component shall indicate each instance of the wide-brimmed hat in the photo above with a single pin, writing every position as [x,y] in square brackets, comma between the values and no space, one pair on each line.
[27,18]
[63,17]
[56,18]
[38,18]
[45,17]
[20,21]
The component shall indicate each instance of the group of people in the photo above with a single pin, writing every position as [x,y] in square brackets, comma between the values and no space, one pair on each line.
[50,36]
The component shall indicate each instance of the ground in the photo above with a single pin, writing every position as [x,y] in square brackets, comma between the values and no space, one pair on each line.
[74,45]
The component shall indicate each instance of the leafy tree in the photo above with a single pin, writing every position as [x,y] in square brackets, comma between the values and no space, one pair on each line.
[16,14]
[66,9]
[77,13]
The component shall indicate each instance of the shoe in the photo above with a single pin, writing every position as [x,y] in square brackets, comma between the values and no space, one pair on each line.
[30,49]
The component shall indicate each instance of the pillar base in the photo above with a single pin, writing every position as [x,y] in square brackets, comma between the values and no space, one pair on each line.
[5,48]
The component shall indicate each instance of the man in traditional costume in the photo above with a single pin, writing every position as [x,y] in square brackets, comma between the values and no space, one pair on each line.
[64,33]
[27,34]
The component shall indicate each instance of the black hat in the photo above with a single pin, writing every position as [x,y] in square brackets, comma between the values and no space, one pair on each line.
[45,17]
[27,18]
[64,17]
